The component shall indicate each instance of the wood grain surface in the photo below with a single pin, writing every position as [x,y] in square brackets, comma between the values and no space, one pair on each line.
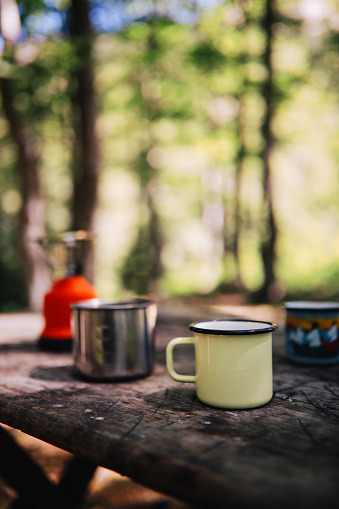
[156,431]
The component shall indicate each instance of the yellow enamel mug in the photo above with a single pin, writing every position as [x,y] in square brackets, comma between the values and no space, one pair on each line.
[233,362]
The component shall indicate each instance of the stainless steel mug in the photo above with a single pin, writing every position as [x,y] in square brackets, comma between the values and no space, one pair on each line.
[113,341]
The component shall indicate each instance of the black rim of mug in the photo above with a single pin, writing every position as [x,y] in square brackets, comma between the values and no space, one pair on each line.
[270,327]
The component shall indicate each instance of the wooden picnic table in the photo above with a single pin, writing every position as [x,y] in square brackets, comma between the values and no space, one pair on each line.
[155,430]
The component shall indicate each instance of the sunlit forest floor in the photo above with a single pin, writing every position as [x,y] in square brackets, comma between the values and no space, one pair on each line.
[106,490]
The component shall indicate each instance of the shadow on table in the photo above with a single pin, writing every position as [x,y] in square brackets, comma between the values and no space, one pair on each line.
[55,373]
[24,346]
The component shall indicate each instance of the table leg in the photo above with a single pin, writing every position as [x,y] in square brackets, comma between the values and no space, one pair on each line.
[76,477]
[35,490]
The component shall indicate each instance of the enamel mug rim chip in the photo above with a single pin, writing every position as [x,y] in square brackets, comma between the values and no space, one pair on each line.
[234,327]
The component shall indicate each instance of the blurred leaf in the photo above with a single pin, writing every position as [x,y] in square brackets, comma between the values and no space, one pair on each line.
[206,57]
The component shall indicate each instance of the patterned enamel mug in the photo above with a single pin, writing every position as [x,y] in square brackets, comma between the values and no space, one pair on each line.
[312,332]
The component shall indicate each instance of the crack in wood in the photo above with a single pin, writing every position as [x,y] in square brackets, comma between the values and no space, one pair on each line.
[213,446]
[109,408]
[318,407]
[307,432]
[158,408]
[128,433]
[331,391]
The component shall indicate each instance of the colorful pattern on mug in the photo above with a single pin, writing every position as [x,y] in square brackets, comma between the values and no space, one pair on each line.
[312,335]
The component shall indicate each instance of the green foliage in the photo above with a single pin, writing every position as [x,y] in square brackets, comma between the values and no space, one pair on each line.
[206,57]
[178,105]
[29,6]
[13,295]
[135,274]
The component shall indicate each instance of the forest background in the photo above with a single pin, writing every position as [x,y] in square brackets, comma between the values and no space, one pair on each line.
[196,139]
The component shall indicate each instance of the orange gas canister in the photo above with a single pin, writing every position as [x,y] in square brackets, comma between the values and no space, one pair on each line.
[57,334]
[74,287]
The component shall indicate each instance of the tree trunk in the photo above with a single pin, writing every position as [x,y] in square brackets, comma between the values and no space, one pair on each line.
[86,156]
[31,216]
[237,206]
[143,266]
[268,247]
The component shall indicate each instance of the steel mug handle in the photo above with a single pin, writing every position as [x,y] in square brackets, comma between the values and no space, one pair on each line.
[169,359]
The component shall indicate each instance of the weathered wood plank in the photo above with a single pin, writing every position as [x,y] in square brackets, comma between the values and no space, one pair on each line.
[157,432]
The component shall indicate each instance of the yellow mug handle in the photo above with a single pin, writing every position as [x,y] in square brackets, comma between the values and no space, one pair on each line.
[169,359]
